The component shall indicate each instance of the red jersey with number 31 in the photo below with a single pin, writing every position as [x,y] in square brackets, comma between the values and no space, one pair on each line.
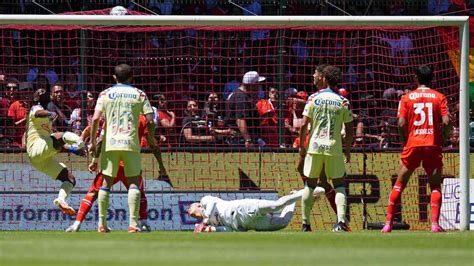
[423,109]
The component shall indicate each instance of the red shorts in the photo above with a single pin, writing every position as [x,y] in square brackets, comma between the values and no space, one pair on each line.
[431,157]
[97,183]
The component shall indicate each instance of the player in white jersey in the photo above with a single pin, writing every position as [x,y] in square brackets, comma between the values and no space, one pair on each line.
[42,144]
[121,106]
[244,214]
[326,112]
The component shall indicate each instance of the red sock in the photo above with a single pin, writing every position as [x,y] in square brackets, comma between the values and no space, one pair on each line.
[86,205]
[394,199]
[331,196]
[435,203]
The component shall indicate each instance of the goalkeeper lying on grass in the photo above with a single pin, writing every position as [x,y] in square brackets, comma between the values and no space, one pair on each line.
[245,214]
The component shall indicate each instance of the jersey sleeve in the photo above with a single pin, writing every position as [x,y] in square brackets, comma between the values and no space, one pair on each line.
[209,206]
[99,106]
[33,111]
[308,108]
[347,115]
[444,106]
[402,110]
[146,106]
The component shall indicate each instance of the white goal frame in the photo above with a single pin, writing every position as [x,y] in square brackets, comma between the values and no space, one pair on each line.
[462,22]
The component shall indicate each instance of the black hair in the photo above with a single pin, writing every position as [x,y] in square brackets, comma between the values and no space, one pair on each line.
[424,74]
[123,73]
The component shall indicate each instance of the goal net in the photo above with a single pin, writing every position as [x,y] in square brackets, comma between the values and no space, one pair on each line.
[179,66]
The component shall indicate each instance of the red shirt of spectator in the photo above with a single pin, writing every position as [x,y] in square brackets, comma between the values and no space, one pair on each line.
[267,112]
[17,112]
[423,109]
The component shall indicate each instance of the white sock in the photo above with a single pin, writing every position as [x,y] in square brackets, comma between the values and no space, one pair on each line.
[134,205]
[71,138]
[76,224]
[341,204]
[65,190]
[103,199]
[307,202]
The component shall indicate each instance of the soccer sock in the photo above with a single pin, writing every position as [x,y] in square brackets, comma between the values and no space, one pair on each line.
[331,196]
[143,213]
[435,203]
[133,205]
[340,200]
[103,198]
[71,138]
[65,190]
[86,205]
[307,204]
[394,199]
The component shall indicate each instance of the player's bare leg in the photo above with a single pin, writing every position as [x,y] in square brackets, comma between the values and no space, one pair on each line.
[103,198]
[394,199]
[434,179]
[68,183]
[133,203]
[341,203]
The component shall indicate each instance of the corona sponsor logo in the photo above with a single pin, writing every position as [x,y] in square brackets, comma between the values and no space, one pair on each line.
[327,102]
[416,95]
[116,95]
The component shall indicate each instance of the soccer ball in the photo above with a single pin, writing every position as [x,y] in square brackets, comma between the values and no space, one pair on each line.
[118,11]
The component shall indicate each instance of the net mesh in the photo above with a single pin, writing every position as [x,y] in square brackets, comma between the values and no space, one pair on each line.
[178,65]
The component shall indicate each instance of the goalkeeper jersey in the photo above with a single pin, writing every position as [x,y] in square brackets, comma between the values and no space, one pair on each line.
[234,215]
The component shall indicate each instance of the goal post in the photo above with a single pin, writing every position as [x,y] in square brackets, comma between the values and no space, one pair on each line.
[462,22]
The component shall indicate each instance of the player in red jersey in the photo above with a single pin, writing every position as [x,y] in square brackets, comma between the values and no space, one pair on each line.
[423,122]
[91,196]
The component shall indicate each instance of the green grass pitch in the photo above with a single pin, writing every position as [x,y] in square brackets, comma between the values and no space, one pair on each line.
[250,248]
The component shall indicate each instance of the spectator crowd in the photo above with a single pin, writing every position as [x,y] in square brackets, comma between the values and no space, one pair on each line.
[224,87]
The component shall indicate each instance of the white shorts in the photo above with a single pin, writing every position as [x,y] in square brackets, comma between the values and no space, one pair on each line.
[110,163]
[333,166]
[41,154]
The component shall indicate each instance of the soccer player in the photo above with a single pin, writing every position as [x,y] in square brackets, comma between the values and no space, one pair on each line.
[42,144]
[121,105]
[91,196]
[244,214]
[326,112]
[423,122]
[322,181]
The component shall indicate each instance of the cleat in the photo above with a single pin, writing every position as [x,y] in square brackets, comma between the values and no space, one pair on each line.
[318,192]
[133,229]
[103,229]
[144,227]
[306,228]
[64,207]
[435,228]
[387,228]
[72,229]
[341,227]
